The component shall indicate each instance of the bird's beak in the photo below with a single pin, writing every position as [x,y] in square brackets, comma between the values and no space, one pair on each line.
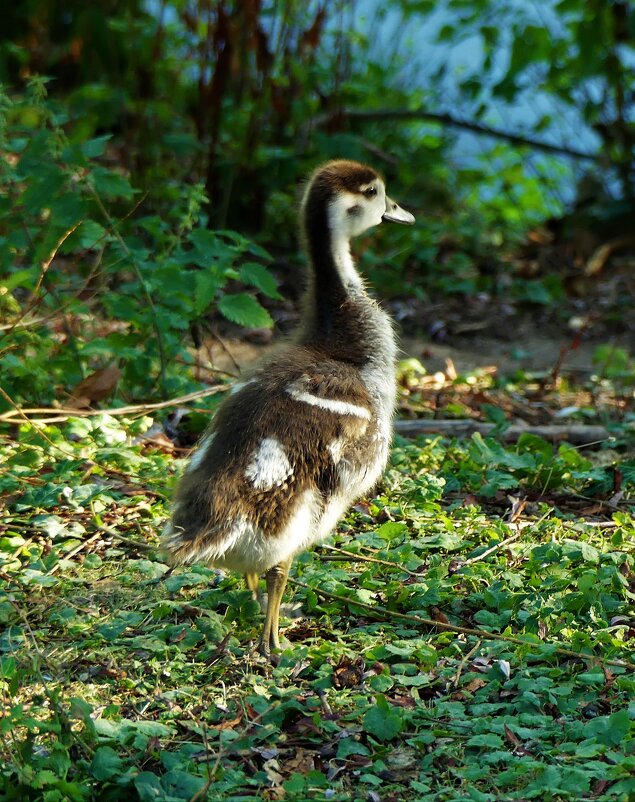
[396,214]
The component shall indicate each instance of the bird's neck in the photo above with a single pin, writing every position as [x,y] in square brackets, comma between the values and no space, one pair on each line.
[339,315]
[331,264]
[340,262]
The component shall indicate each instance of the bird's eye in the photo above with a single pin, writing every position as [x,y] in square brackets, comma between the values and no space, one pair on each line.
[370,191]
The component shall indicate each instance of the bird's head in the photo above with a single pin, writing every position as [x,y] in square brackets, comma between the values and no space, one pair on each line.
[354,197]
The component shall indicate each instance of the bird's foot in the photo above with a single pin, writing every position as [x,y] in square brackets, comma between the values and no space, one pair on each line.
[270,650]
[264,650]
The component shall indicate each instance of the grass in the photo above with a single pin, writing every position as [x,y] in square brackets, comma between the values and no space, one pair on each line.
[467,634]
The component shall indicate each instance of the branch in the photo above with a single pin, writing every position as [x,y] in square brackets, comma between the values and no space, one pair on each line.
[135,266]
[32,303]
[449,120]
[578,434]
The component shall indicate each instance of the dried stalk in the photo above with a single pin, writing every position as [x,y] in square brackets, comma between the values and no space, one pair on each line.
[63,413]
[350,555]
[578,434]
[383,614]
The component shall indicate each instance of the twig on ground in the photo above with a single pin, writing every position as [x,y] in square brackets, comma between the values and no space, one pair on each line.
[494,548]
[384,614]
[522,525]
[63,413]
[20,416]
[324,702]
[122,538]
[22,546]
[464,662]
[73,552]
[578,434]
[352,556]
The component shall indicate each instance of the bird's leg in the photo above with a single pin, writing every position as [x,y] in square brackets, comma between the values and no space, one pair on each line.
[276,583]
[252,581]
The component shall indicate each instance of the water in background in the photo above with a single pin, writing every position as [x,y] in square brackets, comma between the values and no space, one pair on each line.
[411,41]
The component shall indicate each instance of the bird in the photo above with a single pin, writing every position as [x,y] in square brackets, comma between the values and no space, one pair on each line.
[308,432]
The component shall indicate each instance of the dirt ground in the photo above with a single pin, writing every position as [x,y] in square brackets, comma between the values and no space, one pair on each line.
[531,352]
[482,330]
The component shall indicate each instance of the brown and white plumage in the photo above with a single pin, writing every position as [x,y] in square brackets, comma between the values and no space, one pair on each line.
[292,447]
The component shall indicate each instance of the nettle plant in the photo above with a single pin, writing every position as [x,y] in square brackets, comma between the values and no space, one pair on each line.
[88,280]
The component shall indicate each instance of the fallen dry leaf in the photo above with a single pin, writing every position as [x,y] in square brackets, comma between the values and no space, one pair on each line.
[272,770]
[510,737]
[474,685]
[439,616]
[95,387]
[348,673]
[274,794]
[229,724]
[303,761]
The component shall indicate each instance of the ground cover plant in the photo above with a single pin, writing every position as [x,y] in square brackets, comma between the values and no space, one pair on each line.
[465,635]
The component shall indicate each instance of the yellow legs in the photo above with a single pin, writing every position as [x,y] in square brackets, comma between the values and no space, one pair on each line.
[276,583]
[251,580]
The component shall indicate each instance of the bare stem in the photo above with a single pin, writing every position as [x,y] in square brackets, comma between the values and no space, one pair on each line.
[384,614]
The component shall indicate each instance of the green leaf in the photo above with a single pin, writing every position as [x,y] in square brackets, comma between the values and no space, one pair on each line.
[31,576]
[413,682]
[391,530]
[245,310]
[68,210]
[42,187]
[153,729]
[383,721]
[106,763]
[611,360]
[111,631]
[20,278]
[210,247]
[43,778]
[589,553]
[207,283]
[610,730]
[95,147]
[149,787]
[348,747]
[111,185]
[182,785]
[487,740]
[91,234]
[258,276]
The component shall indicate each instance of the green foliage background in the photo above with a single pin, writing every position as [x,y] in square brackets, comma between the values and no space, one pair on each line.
[132,136]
